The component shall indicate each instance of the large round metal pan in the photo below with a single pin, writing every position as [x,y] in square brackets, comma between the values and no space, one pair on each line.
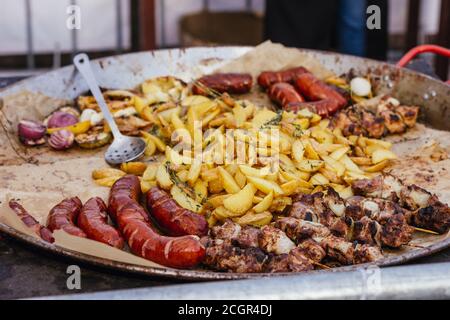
[127,71]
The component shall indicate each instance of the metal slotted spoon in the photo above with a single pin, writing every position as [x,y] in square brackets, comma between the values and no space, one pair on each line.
[123,148]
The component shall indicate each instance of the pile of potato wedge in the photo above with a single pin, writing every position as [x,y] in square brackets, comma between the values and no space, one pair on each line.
[254,183]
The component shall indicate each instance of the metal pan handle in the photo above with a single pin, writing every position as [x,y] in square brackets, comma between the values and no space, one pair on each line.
[421,49]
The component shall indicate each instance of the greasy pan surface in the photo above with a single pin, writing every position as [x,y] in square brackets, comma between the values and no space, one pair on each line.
[410,87]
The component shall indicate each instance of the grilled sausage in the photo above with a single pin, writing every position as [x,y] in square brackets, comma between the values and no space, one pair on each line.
[224,82]
[141,235]
[64,216]
[314,89]
[44,233]
[283,94]
[93,220]
[268,78]
[174,219]
[321,107]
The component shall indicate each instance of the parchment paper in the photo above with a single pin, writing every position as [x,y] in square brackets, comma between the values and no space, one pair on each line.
[40,177]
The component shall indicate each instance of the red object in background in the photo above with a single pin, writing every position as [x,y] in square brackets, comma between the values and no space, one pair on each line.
[422,49]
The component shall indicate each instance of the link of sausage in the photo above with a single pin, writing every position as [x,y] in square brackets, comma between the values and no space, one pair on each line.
[268,78]
[321,107]
[225,82]
[316,90]
[174,219]
[64,216]
[284,94]
[93,220]
[141,235]
[43,232]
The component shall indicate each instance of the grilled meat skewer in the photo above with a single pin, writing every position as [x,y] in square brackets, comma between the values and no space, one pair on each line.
[426,211]
[370,222]
[390,117]
[335,247]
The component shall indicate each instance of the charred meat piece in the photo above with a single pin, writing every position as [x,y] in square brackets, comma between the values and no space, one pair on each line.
[383,186]
[409,114]
[298,229]
[435,216]
[367,231]
[364,253]
[312,250]
[349,121]
[222,256]
[395,231]
[373,125]
[274,240]
[227,231]
[294,261]
[392,120]
[427,211]
[241,236]
[337,248]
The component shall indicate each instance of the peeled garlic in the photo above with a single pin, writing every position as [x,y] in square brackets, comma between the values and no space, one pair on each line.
[125,112]
[96,118]
[360,86]
[87,114]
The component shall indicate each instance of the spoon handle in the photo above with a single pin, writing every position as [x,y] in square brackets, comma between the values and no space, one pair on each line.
[83,65]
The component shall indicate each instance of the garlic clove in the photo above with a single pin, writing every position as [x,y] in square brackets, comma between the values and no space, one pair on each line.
[360,86]
[87,114]
[96,119]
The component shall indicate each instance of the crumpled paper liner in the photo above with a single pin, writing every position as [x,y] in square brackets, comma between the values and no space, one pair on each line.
[40,178]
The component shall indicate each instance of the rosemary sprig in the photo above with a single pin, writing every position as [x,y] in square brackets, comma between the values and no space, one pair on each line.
[275,121]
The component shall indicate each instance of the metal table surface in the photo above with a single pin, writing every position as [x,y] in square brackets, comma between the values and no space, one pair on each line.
[27,272]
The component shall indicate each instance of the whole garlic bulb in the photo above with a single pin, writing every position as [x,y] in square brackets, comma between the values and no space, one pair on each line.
[61,139]
[361,86]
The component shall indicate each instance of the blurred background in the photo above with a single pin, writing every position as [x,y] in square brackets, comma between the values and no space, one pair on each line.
[38,35]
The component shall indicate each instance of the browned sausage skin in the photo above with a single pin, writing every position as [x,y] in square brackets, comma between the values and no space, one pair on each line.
[322,107]
[268,78]
[93,220]
[316,91]
[174,219]
[284,94]
[141,235]
[44,233]
[64,216]
[225,82]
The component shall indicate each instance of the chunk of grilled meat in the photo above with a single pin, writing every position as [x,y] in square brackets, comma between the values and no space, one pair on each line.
[334,247]
[294,261]
[384,186]
[379,221]
[248,249]
[298,229]
[392,120]
[375,222]
[221,255]
[409,114]
[273,240]
[349,253]
[389,118]
[312,250]
[427,211]
[356,120]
